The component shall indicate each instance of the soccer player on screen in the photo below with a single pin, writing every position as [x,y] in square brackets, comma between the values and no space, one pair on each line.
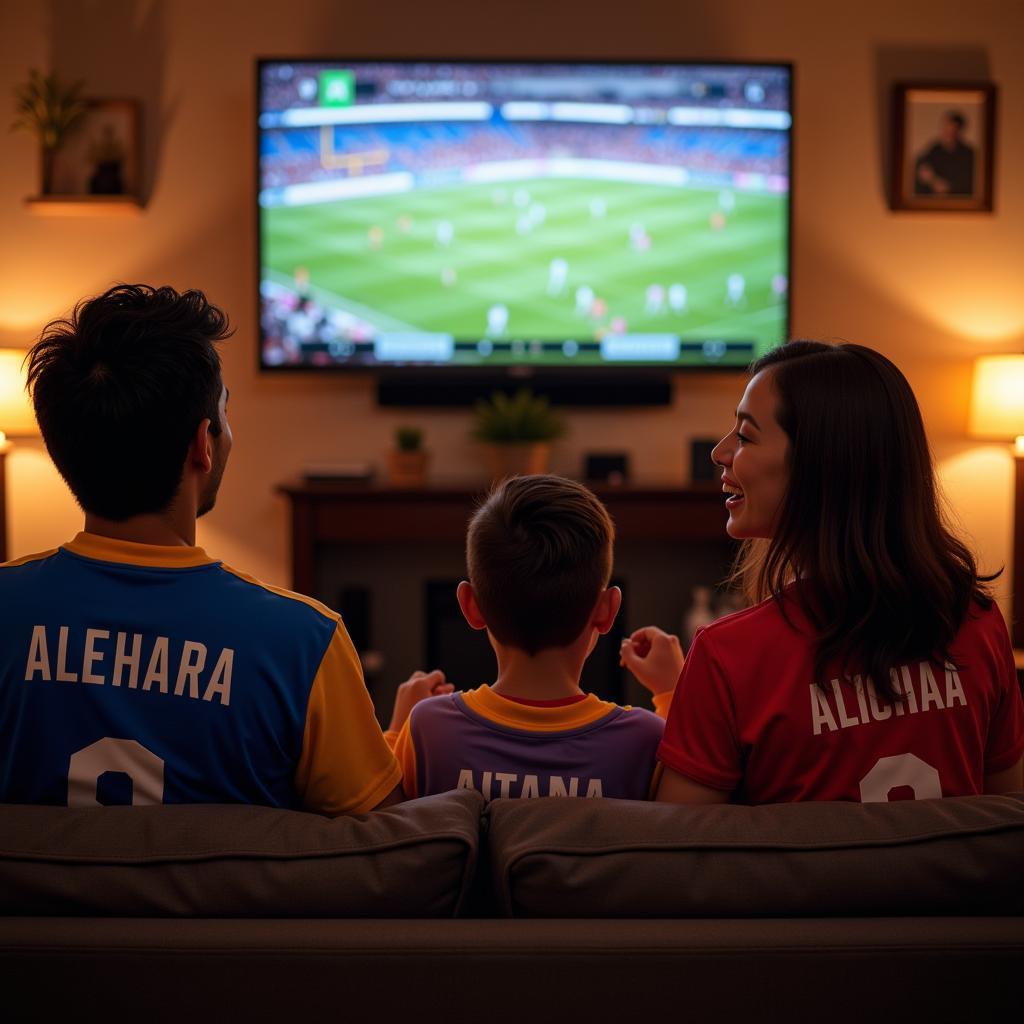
[735,289]
[639,240]
[445,233]
[677,298]
[558,271]
[497,319]
[655,299]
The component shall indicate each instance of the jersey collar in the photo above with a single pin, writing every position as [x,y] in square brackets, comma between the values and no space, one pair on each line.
[485,702]
[125,552]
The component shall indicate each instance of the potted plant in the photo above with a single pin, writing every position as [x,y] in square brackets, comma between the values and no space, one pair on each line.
[517,431]
[407,462]
[48,109]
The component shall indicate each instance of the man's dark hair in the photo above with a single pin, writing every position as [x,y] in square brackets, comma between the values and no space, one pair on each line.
[120,388]
[539,554]
[957,118]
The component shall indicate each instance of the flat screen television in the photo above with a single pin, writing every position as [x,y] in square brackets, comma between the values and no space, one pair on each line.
[559,217]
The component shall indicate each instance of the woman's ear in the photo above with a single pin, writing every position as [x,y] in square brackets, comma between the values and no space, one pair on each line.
[607,607]
[467,602]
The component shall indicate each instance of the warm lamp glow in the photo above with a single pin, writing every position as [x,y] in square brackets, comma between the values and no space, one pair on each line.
[997,398]
[16,416]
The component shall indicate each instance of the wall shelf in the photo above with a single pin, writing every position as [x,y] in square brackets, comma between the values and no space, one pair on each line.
[361,514]
[83,205]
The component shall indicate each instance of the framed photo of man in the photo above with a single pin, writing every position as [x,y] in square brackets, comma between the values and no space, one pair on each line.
[944,146]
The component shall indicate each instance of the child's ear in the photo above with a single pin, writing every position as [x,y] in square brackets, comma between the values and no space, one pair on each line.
[467,602]
[607,607]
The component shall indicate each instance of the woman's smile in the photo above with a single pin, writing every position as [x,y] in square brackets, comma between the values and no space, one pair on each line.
[754,457]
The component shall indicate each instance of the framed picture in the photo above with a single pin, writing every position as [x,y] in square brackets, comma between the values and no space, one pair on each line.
[944,146]
[100,154]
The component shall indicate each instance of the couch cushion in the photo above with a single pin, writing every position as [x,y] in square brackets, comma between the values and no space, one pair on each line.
[412,860]
[617,858]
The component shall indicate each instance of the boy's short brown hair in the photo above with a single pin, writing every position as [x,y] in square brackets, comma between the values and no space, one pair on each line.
[539,554]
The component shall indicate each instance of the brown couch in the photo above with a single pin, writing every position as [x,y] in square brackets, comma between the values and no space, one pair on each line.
[526,911]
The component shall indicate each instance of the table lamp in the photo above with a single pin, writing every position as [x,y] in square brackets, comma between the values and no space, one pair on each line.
[17,419]
[997,414]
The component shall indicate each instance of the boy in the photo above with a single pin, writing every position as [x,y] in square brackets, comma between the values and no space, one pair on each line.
[539,553]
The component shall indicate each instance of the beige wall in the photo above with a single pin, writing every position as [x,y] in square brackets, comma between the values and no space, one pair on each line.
[929,290]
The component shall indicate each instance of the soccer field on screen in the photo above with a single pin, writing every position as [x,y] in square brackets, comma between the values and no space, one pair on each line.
[439,260]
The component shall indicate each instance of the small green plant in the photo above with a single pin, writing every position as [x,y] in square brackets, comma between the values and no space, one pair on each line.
[408,439]
[517,419]
[48,108]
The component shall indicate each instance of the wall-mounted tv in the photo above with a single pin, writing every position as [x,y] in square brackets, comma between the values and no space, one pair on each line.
[547,216]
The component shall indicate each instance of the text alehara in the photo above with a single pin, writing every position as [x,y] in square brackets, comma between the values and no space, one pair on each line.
[512,784]
[920,689]
[137,662]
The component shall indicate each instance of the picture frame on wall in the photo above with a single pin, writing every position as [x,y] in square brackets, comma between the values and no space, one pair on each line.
[101,155]
[943,146]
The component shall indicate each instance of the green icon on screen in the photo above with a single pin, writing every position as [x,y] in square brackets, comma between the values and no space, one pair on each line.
[337,88]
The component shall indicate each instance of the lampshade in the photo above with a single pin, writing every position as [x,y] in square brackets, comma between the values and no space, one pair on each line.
[16,416]
[997,398]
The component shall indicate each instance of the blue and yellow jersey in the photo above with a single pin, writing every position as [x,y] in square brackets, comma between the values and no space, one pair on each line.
[132,673]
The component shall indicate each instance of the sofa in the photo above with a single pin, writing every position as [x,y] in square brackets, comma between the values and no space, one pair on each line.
[527,911]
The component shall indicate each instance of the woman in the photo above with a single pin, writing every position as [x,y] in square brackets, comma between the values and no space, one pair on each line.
[876,665]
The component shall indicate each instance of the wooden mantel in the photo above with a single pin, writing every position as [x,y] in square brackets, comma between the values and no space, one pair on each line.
[351,513]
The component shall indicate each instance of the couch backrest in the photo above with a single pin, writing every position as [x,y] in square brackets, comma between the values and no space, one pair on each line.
[615,858]
[548,858]
[415,859]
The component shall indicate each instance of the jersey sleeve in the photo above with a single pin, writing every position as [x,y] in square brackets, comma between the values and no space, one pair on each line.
[405,750]
[1004,746]
[662,702]
[346,765]
[700,734]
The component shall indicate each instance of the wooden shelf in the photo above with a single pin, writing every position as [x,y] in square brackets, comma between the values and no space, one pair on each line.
[370,513]
[83,206]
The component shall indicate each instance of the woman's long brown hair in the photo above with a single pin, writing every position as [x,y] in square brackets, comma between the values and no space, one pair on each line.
[860,534]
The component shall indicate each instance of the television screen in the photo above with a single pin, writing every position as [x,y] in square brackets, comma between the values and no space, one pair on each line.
[544,215]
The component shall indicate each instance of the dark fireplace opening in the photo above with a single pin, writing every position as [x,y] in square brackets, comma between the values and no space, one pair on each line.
[467,659]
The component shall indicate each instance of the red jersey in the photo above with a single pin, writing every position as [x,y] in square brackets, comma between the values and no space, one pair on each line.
[747,716]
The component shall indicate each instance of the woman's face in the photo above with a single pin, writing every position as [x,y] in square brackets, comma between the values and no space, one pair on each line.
[754,461]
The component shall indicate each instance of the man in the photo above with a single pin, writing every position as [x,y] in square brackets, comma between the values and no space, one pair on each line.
[947,167]
[134,668]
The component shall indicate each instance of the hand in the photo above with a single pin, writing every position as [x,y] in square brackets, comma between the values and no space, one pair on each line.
[654,657]
[419,686]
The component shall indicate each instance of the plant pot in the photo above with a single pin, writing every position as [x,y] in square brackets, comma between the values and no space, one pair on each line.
[49,162]
[408,469]
[518,459]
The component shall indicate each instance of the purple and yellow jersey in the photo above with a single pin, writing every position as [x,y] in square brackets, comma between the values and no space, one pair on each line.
[480,740]
[132,673]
